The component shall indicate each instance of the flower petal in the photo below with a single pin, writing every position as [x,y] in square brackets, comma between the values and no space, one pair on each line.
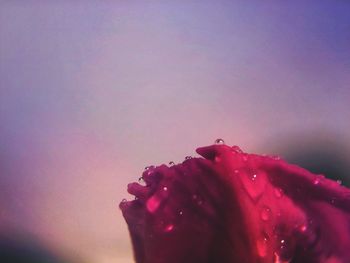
[237,207]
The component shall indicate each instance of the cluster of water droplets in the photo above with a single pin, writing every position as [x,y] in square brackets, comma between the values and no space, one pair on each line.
[149,169]
[234,148]
[283,252]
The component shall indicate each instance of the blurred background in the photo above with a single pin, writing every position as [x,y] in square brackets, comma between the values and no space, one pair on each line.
[93,91]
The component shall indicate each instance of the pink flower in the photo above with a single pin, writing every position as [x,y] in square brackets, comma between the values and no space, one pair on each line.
[236,207]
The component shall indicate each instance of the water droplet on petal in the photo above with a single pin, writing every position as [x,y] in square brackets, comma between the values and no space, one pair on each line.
[318,179]
[262,245]
[303,228]
[168,228]
[254,183]
[149,169]
[265,214]
[165,188]
[141,180]
[124,200]
[181,213]
[236,149]
[217,159]
[188,157]
[278,192]
[276,157]
[339,182]
[253,177]
[277,259]
[171,163]
[153,204]
[219,141]
[284,253]
[197,199]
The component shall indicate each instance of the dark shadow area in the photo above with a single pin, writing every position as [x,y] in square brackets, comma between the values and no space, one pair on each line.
[317,160]
[325,154]
[24,249]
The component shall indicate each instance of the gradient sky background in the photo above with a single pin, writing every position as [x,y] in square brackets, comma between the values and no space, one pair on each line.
[93,91]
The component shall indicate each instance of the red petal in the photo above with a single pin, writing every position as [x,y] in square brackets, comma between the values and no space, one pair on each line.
[236,207]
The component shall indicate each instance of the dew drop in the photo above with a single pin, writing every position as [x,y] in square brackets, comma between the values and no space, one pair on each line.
[265,214]
[236,149]
[284,253]
[303,228]
[181,213]
[149,169]
[217,159]
[318,179]
[277,259]
[254,183]
[168,228]
[253,177]
[141,180]
[188,157]
[262,245]
[219,141]
[278,192]
[171,163]
[124,200]
[276,157]
[153,204]
[197,199]
[165,188]
[339,182]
